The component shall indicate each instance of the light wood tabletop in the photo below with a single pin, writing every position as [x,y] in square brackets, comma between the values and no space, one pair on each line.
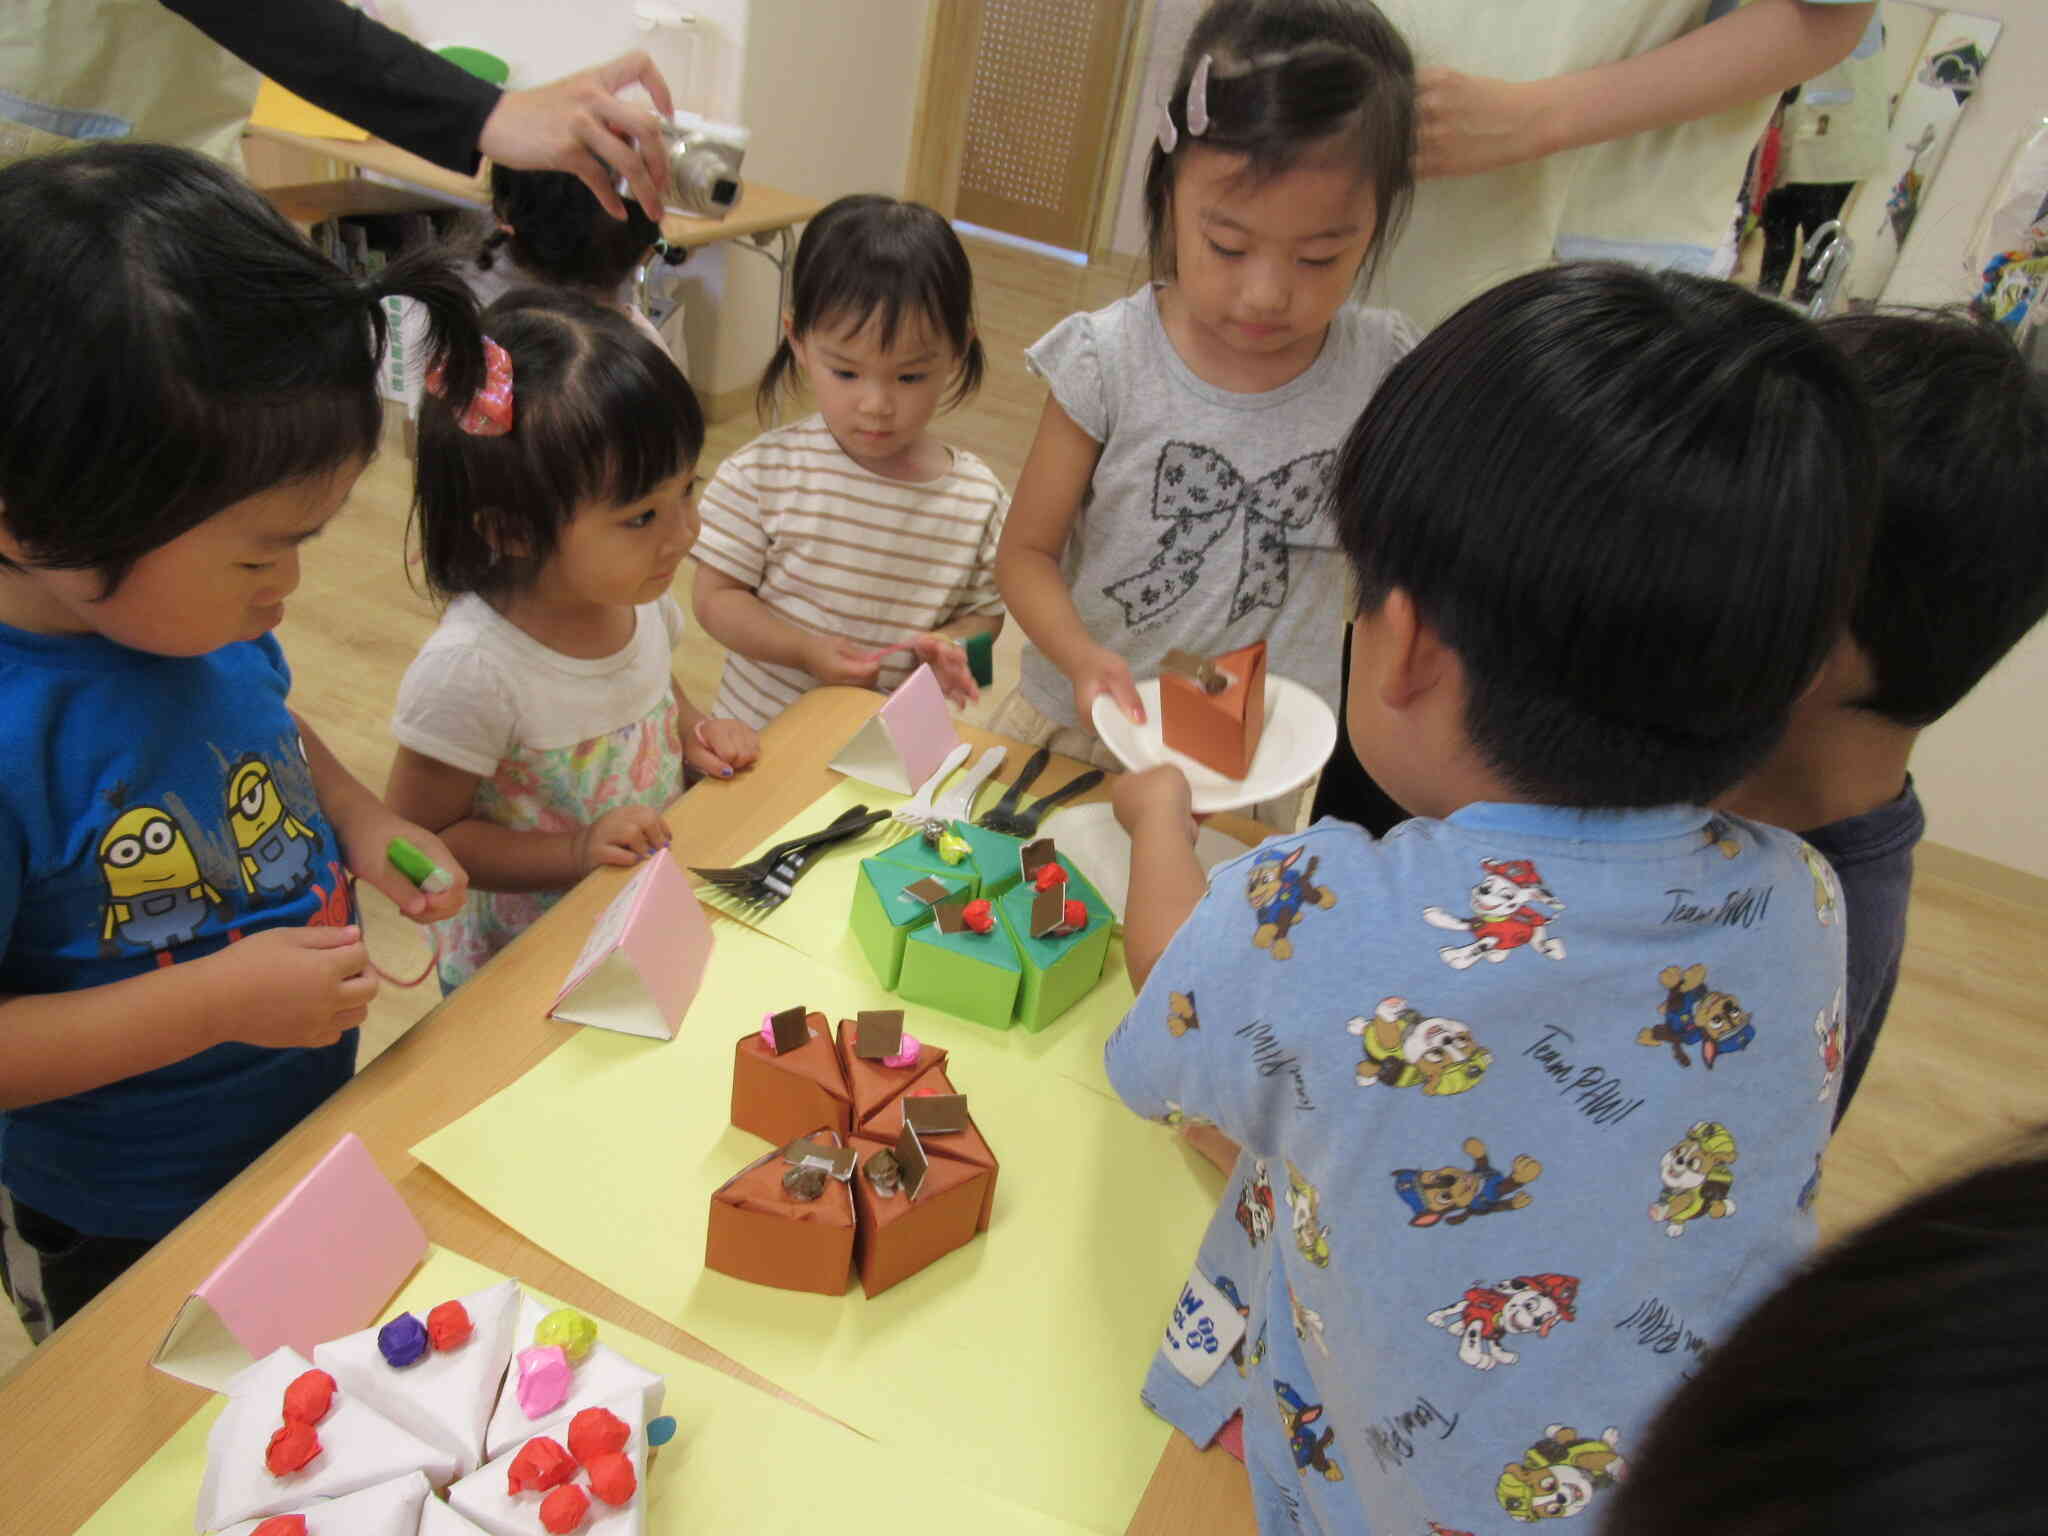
[86,1409]
[763,210]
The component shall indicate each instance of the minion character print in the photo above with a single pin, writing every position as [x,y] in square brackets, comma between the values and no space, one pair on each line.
[157,898]
[274,850]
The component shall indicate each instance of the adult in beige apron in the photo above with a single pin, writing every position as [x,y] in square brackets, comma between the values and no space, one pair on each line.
[1660,198]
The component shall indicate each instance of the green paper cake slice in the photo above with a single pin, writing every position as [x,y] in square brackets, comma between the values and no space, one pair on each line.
[1061,969]
[970,975]
[884,915]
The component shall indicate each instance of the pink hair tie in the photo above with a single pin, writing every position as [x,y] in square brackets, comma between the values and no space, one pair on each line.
[489,412]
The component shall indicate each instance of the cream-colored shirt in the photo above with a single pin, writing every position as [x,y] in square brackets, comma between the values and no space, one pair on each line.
[1665,198]
[841,551]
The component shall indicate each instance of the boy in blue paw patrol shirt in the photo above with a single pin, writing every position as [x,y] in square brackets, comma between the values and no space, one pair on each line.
[1604,526]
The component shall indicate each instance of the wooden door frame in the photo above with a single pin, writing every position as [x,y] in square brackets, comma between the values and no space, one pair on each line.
[938,131]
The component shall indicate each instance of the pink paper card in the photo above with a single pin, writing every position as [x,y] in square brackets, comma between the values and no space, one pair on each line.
[322,1263]
[640,968]
[904,742]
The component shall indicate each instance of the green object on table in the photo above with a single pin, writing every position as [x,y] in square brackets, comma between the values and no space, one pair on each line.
[883,917]
[995,857]
[485,66]
[417,867]
[1058,972]
[969,975]
[981,658]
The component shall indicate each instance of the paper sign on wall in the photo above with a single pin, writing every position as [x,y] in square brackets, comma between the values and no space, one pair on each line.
[641,965]
[904,742]
[322,1263]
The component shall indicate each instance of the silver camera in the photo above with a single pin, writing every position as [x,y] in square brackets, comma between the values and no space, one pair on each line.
[703,165]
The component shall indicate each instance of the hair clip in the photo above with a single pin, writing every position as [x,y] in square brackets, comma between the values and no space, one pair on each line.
[1198,98]
[489,412]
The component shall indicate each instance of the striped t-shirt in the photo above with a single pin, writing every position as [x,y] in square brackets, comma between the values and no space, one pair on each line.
[838,550]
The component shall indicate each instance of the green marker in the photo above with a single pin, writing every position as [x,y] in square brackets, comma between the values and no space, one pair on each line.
[418,868]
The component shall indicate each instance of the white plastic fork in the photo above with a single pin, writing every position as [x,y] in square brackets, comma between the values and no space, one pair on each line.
[917,810]
[957,803]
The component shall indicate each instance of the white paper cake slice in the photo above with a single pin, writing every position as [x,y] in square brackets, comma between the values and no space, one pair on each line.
[483,1497]
[603,1374]
[437,1519]
[389,1509]
[446,1397]
[359,1448]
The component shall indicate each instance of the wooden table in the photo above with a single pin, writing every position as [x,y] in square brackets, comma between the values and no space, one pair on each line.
[86,1409]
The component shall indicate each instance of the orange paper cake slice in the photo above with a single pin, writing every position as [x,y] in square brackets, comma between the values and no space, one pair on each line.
[967,1146]
[780,1098]
[761,1233]
[1220,730]
[872,1084]
[898,1235]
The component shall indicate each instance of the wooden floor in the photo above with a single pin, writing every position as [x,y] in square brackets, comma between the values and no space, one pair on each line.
[1964,1062]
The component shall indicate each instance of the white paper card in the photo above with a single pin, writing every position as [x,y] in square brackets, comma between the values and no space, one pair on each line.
[1203,1330]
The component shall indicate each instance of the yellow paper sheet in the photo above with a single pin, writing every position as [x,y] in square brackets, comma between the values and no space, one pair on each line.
[278,108]
[814,921]
[741,1460]
[1020,1355]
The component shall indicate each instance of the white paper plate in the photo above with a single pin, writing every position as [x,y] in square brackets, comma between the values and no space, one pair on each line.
[1101,850]
[1300,734]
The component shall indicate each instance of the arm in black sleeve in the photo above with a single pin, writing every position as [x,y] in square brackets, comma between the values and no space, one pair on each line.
[339,59]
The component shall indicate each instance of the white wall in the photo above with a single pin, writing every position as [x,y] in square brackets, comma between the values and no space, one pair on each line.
[1982,771]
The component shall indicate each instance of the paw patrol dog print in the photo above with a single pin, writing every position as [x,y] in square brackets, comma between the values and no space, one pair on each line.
[1278,893]
[1304,1204]
[1713,1023]
[1228,1287]
[1300,1419]
[1830,1030]
[1255,1208]
[1308,1322]
[1827,891]
[1696,1177]
[1180,1013]
[1558,1475]
[1506,916]
[1489,1314]
[1454,1196]
[1403,1048]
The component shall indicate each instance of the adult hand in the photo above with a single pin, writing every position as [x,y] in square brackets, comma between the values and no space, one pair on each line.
[578,124]
[1467,124]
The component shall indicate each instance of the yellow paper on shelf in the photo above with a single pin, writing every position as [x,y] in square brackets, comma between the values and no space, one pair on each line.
[278,108]
[1021,1354]
[724,1471]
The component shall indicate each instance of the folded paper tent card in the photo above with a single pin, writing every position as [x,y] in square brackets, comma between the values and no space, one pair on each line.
[289,1283]
[905,740]
[644,959]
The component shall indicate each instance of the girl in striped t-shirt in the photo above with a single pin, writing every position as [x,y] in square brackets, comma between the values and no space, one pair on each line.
[856,529]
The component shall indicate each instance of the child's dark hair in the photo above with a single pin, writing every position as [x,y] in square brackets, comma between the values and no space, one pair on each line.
[1286,77]
[871,257]
[599,414]
[560,235]
[1635,505]
[1893,1385]
[1959,569]
[174,347]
